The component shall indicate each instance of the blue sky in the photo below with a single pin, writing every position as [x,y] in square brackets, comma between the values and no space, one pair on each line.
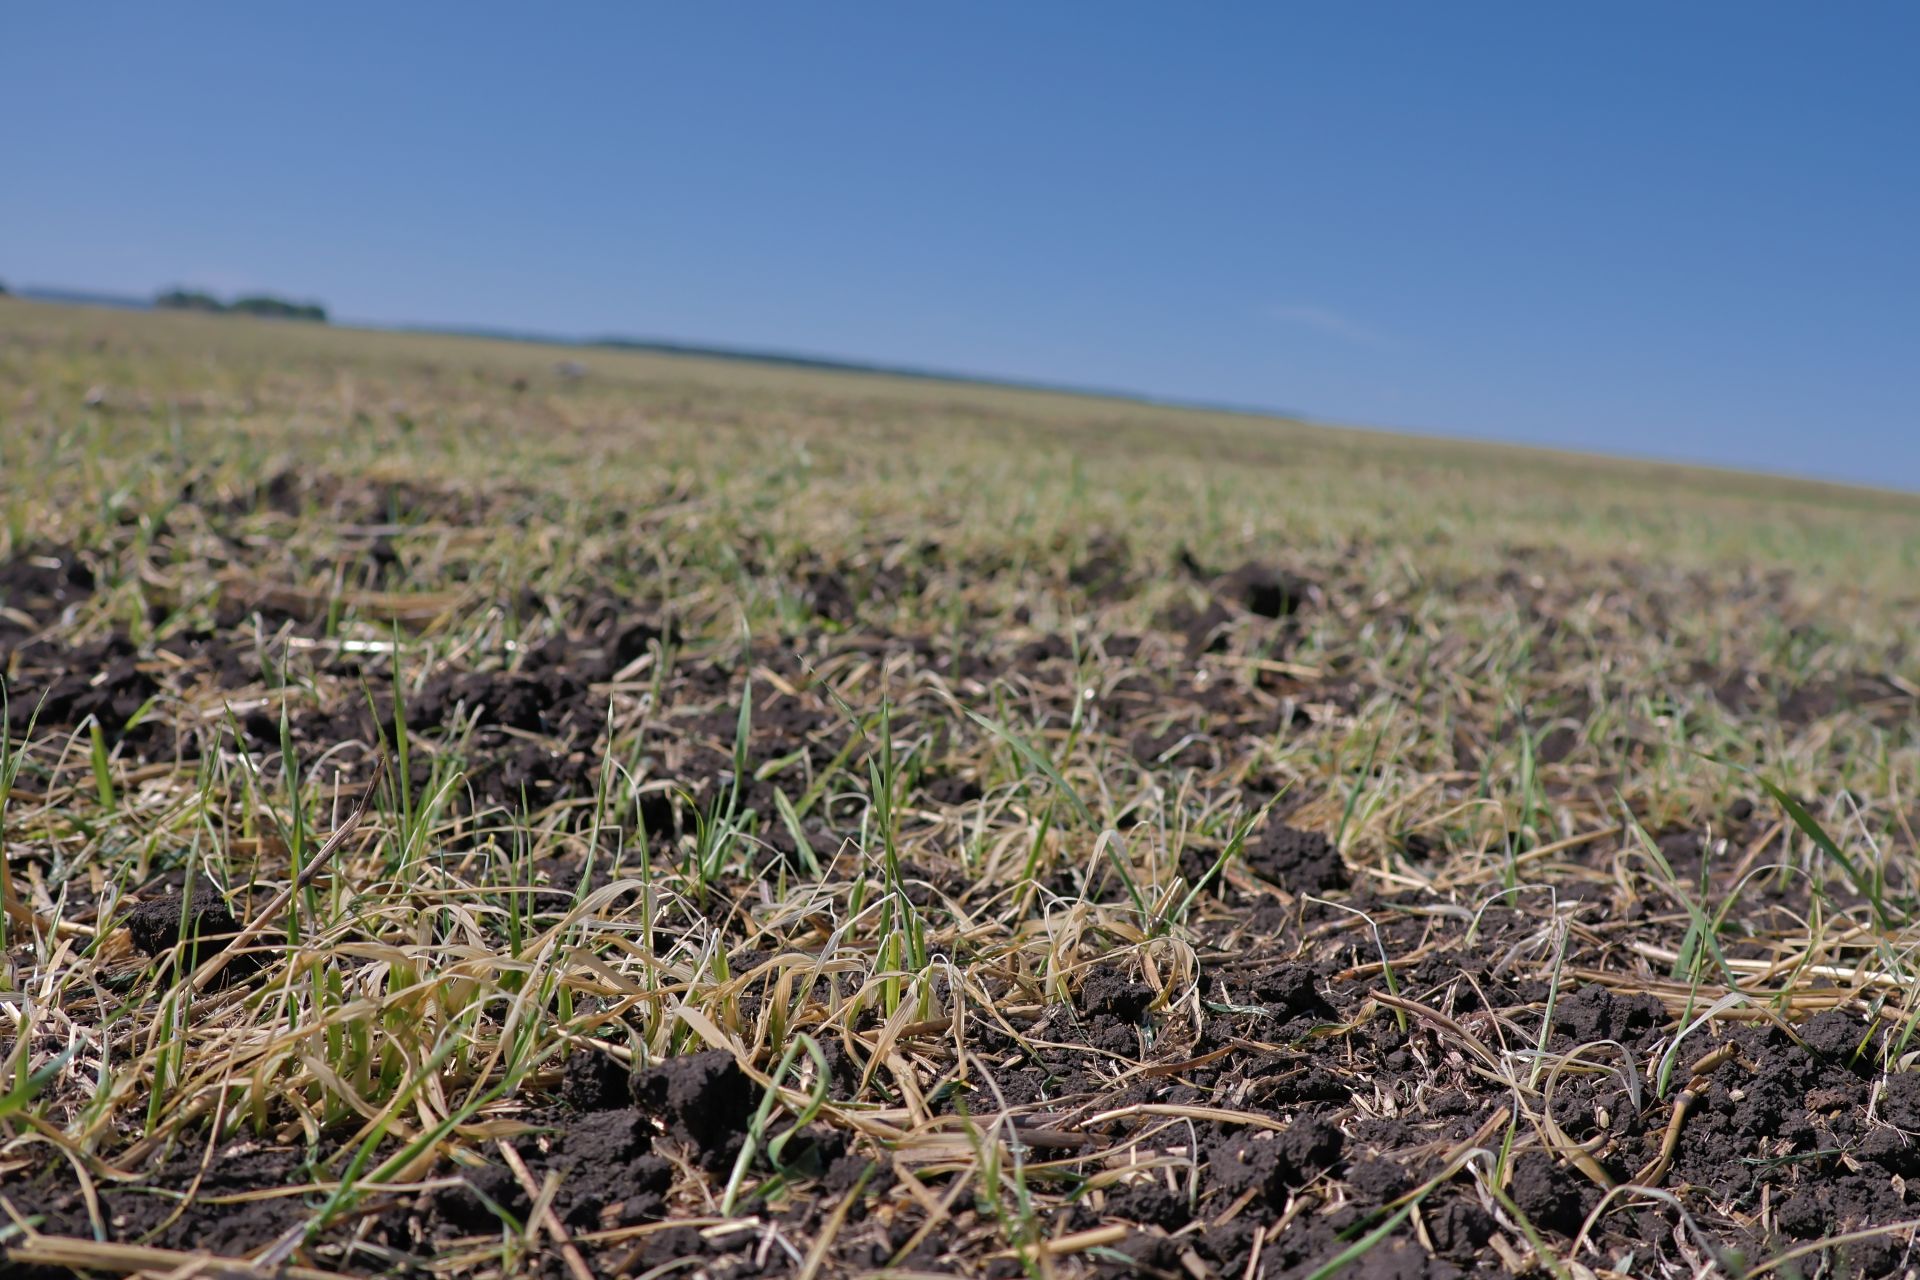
[1687,231]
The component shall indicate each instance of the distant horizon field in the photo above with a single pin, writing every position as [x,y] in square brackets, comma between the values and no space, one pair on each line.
[839,363]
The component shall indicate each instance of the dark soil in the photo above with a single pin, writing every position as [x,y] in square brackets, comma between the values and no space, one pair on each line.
[190,930]
[704,1100]
[60,686]
[1785,1123]
[1279,1102]
[37,587]
[1298,861]
[1265,590]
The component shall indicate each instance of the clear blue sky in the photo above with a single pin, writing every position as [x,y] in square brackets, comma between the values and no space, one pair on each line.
[1685,230]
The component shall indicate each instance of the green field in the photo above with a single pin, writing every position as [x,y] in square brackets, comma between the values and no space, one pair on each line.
[1041,809]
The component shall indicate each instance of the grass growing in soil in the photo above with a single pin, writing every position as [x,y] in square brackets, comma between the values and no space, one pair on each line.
[468,816]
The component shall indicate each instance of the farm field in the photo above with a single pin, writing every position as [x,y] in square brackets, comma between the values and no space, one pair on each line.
[483,809]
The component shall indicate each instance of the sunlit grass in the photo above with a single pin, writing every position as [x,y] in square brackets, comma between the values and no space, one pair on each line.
[1522,672]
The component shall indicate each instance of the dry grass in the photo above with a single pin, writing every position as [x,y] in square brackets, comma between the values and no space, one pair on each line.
[876,734]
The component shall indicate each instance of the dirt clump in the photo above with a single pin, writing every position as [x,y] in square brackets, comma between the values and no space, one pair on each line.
[608,1177]
[37,585]
[704,1101]
[1289,990]
[1298,861]
[1549,1193]
[1265,590]
[1103,571]
[611,1169]
[202,922]
[64,685]
[1597,1013]
[1107,994]
[595,1081]
[1272,1164]
[1150,1204]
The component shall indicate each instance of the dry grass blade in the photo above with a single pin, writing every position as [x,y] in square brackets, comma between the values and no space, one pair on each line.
[1458,1033]
[576,1264]
[130,1259]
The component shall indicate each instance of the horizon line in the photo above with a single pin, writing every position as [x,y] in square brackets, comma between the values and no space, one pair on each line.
[789,358]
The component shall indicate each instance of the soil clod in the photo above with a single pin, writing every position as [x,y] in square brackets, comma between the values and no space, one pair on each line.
[201,922]
[1298,861]
[705,1101]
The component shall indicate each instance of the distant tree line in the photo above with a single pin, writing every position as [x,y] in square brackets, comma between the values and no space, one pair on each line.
[261,304]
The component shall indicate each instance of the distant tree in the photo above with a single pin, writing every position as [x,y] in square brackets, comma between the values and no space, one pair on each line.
[279,308]
[264,305]
[188,300]
[3,288]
